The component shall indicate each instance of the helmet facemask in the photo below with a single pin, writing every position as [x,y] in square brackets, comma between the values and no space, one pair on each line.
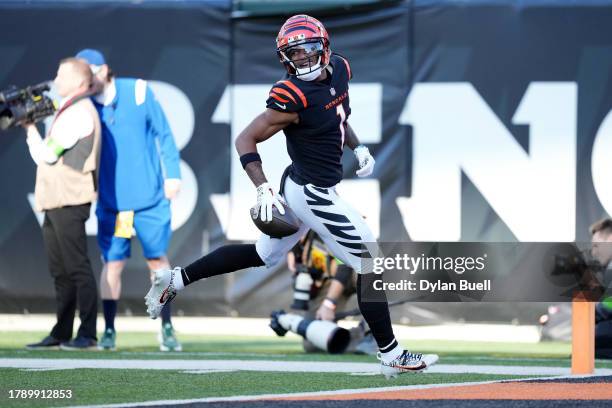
[305,59]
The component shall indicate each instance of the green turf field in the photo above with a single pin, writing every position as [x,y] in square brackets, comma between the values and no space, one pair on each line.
[97,386]
[91,386]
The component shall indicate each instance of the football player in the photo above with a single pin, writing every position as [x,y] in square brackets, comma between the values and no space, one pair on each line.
[311,106]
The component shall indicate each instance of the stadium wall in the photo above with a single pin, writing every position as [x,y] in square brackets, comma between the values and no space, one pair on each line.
[489,120]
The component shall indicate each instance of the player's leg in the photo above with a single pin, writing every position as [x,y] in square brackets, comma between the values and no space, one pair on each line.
[226,259]
[344,231]
[159,264]
[166,336]
[115,251]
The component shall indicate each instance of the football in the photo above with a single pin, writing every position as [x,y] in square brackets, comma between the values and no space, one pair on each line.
[280,226]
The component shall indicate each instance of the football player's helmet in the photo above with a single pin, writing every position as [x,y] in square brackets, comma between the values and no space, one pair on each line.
[302,46]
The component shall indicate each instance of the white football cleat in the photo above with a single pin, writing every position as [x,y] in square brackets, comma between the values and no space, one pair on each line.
[162,291]
[407,363]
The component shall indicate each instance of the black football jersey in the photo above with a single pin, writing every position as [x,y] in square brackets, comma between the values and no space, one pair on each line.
[315,143]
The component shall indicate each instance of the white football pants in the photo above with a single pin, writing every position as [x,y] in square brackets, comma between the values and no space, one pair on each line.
[340,226]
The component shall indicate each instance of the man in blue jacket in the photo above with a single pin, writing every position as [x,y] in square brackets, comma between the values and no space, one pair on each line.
[139,174]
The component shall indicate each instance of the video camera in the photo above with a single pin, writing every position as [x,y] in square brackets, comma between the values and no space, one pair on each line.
[27,105]
[577,263]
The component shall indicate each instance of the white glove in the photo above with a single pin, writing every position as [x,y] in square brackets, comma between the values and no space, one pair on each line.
[366,161]
[266,199]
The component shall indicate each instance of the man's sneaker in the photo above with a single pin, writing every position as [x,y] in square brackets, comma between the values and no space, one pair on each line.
[80,343]
[48,343]
[167,339]
[407,363]
[162,291]
[107,342]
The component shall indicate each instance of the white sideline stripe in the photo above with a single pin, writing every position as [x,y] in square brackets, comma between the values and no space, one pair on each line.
[320,393]
[266,365]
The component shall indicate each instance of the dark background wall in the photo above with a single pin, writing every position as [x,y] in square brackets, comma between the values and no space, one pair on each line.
[201,48]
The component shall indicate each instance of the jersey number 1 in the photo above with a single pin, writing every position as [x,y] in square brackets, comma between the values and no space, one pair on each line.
[340,112]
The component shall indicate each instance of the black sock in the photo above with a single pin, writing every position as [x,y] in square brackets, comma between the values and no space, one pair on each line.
[228,258]
[110,311]
[375,310]
[166,313]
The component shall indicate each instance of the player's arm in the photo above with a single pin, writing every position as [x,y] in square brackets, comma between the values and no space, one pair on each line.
[259,130]
[365,159]
[350,138]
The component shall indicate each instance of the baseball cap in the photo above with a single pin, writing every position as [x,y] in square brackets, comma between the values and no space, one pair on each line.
[93,57]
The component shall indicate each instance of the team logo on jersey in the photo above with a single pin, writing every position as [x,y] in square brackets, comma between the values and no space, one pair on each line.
[283,106]
[332,91]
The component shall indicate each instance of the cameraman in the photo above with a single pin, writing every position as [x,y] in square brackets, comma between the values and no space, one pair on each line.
[330,286]
[67,160]
[601,233]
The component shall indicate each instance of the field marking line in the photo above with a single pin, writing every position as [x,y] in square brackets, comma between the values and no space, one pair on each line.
[273,365]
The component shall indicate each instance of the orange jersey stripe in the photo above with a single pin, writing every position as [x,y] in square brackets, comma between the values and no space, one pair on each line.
[278,98]
[283,92]
[297,91]
[348,68]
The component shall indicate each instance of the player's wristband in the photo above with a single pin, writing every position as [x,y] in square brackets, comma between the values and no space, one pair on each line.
[248,158]
[329,303]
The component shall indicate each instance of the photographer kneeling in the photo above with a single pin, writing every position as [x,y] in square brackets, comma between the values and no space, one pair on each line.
[322,288]
[66,179]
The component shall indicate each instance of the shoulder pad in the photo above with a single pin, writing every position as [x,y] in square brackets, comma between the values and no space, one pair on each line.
[343,62]
[285,96]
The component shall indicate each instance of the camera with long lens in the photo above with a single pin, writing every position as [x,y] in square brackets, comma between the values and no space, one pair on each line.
[583,269]
[576,262]
[303,286]
[26,105]
[324,335]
